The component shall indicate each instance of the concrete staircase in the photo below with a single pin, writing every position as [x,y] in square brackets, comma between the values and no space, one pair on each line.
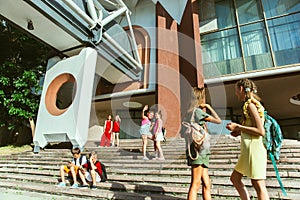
[132,178]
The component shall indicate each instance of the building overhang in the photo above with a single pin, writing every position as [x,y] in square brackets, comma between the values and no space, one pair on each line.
[69,26]
[254,74]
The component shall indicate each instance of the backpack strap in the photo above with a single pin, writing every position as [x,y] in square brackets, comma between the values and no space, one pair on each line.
[277,174]
[80,159]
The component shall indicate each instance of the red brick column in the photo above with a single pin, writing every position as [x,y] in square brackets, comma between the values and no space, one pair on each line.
[190,52]
[179,63]
[168,83]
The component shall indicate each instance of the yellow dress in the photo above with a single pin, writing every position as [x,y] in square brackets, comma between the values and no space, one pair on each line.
[252,161]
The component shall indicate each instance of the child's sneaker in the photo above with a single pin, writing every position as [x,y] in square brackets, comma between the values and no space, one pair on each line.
[84,186]
[74,186]
[145,158]
[61,184]
[93,187]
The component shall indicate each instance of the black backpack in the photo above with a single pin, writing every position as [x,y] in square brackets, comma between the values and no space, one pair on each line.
[164,131]
[80,160]
[104,174]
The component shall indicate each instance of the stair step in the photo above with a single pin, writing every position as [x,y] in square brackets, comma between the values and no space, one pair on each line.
[132,178]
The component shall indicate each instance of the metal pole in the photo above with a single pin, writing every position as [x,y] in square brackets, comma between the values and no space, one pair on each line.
[111,17]
[117,46]
[80,12]
[136,54]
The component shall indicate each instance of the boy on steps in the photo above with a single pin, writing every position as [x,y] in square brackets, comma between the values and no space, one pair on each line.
[73,168]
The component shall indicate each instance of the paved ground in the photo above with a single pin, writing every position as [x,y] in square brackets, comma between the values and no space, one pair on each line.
[11,194]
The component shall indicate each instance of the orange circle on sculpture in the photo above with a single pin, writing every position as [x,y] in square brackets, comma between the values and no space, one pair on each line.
[60,94]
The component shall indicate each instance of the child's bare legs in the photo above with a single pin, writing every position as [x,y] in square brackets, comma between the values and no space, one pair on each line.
[62,173]
[160,151]
[93,174]
[74,175]
[261,189]
[113,139]
[82,177]
[236,179]
[144,138]
[117,139]
[197,171]
[155,150]
[205,185]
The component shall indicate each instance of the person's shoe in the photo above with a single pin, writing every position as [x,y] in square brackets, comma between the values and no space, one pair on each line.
[74,186]
[155,158]
[161,158]
[145,158]
[61,184]
[93,187]
[84,186]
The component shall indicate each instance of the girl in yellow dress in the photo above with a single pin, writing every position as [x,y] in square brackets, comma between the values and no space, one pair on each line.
[252,161]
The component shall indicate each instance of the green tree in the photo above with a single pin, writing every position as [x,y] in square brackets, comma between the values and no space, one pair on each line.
[22,64]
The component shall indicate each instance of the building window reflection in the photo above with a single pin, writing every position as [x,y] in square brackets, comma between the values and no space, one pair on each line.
[248,11]
[220,51]
[285,38]
[256,48]
[275,8]
[246,35]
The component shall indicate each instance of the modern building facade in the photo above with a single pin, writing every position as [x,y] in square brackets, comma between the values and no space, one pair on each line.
[172,47]
[258,39]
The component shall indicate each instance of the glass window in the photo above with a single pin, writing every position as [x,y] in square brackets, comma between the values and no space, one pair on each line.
[278,7]
[221,53]
[285,38]
[225,13]
[214,15]
[255,46]
[248,11]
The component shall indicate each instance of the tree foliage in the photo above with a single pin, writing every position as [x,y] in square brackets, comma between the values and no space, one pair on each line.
[22,65]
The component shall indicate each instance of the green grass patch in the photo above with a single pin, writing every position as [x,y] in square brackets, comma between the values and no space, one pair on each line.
[8,150]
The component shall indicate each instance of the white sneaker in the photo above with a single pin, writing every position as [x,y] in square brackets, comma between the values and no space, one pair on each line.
[145,158]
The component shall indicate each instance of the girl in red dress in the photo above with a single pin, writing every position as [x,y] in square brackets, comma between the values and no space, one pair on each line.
[105,139]
[116,130]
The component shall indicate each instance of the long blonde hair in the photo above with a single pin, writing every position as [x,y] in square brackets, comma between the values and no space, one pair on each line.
[117,118]
[197,98]
[250,88]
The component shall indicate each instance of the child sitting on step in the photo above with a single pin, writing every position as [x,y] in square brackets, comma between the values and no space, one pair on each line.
[93,170]
[73,168]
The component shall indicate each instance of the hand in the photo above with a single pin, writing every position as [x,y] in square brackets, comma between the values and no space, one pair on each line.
[82,170]
[235,133]
[204,105]
[70,164]
[234,127]
[153,137]
[145,107]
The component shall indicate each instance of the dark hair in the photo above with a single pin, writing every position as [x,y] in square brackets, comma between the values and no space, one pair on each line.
[150,111]
[76,151]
